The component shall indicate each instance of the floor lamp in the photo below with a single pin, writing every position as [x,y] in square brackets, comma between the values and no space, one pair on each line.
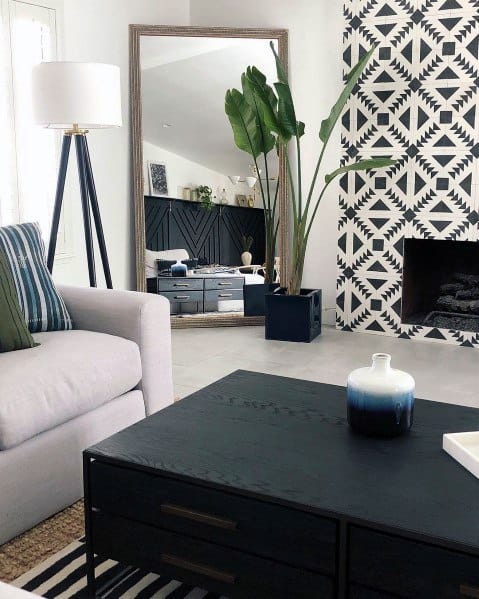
[77,97]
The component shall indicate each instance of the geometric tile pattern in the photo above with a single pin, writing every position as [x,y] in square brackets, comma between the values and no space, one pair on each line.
[416,102]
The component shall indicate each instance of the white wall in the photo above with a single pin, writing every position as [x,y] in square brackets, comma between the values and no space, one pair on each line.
[97,31]
[181,172]
[315,34]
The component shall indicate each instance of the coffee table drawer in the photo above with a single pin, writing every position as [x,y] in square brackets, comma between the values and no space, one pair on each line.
[357,592]
[410,569]
[268,530]
[226,283]
[218,569]
[179,284]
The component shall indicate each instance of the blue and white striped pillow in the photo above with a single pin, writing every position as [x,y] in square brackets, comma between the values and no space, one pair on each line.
[42,306]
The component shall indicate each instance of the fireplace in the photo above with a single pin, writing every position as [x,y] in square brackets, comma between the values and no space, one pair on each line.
[440,285]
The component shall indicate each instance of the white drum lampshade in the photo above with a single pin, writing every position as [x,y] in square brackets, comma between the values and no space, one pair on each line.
[76,93]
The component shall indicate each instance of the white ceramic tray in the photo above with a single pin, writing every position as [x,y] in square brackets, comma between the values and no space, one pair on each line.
[463,447]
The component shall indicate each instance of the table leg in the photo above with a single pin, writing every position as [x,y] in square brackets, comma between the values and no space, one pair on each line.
[90,557]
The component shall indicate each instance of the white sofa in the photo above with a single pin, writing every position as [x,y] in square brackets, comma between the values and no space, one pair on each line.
[77,388]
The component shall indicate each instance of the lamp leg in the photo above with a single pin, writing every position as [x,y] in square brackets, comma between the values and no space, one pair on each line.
[96,214]
[62,172]
[86,209]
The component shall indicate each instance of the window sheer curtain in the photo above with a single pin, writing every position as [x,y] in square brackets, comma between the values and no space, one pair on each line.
[9,212]
[28,154]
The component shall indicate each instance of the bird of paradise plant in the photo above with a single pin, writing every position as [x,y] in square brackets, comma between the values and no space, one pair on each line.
[263,118]
[252,135]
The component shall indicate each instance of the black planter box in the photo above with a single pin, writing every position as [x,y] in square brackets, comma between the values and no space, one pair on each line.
[254,298]
[293,317]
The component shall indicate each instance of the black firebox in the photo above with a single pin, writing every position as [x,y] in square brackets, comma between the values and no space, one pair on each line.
[441,284]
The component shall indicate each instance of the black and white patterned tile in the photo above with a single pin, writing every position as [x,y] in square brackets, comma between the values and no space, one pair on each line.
[418,103]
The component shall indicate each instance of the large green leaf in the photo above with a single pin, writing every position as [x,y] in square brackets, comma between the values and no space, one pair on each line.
[286,110]
[265,97]
[281,71]
[361,165]
[287,114]
[266,139]
[243,121]
[328,124]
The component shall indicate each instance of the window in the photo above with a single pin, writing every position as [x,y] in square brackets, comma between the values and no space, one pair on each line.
[28,154]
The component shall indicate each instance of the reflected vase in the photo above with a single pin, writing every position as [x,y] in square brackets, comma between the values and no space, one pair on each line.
[178,270]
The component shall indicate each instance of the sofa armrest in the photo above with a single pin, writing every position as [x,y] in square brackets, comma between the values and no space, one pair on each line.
[141,317]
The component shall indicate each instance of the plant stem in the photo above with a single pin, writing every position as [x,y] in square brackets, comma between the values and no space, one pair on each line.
[299,248]
[271,233]
[269,252]
[297,265]
[267,179]
[260,182]
[269,270]
[313,181]
[276,196]
[291,184]
[298,161]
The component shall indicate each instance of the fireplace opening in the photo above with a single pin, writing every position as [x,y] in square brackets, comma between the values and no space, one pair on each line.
[440,286]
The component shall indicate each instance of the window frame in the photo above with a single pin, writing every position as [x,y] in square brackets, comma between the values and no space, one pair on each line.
[64,252]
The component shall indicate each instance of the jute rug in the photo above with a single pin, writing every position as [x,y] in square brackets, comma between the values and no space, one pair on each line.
[32,547]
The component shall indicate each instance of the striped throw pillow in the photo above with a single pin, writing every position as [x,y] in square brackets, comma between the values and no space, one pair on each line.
[42,306]
[14,333]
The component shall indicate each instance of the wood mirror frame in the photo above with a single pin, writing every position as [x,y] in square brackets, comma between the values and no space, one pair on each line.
[136,32]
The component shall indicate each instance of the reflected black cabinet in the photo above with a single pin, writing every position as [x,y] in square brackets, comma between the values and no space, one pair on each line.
[213,235]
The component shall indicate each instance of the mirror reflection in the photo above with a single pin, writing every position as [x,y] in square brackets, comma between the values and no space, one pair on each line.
[204,212]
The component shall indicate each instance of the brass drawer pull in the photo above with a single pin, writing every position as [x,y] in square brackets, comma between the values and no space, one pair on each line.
[182,296]
[225,284]
[183,512]
[225,295]
[178,562]
[467,591]
[181,284]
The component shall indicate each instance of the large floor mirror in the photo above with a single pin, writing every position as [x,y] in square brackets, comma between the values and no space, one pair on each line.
[199,213]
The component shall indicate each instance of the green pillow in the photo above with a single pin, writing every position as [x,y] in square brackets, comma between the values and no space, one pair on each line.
[14,333]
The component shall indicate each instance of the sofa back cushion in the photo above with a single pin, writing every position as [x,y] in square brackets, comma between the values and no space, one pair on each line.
[14,333]
[42,306]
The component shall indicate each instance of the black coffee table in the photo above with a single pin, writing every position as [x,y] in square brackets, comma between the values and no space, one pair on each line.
[255,487]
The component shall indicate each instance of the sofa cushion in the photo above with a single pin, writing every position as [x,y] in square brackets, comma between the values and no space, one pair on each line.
[14,333]
[70,373]
[42,306]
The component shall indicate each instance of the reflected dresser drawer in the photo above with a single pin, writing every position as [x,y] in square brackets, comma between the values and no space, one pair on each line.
[226,283]
[222,295]
[179,284]
[183,296]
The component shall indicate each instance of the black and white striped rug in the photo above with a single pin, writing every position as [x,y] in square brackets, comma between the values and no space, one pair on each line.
[63,576]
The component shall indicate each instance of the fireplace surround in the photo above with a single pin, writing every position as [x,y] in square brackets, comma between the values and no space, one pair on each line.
[417,102]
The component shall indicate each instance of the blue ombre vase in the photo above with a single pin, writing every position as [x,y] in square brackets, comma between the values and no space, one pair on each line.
[380,399]
[179,269]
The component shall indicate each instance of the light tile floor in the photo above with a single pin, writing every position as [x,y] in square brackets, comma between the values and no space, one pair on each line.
[442,372]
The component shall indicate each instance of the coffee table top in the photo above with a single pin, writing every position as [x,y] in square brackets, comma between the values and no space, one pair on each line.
[287,441]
